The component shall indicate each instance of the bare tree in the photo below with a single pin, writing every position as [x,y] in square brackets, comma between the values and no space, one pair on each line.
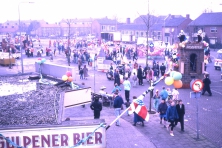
[68,52]
[149,20]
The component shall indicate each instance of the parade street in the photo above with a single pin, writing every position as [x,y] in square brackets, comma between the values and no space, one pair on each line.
[152,134]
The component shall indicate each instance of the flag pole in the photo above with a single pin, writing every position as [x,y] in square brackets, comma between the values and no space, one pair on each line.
[117,118]
[143,95]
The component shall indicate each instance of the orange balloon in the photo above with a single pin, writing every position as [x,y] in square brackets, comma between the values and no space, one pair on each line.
[70,79]
[177,83]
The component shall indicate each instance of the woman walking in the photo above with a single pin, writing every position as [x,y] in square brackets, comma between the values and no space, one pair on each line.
[85,72]
[172,116]
[156,99]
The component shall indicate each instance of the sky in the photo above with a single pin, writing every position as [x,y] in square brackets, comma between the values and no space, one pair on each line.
[54,10]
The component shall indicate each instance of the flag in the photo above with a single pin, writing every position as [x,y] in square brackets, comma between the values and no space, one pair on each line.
[139,108]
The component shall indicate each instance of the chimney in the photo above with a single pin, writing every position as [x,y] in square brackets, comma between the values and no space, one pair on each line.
[127,20]
[187,16]
[172,16]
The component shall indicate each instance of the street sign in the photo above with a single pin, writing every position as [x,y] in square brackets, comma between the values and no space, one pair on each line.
[195,95]
[151,45]
[197,86]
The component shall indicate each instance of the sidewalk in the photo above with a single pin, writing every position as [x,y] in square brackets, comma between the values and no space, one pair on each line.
[152,135]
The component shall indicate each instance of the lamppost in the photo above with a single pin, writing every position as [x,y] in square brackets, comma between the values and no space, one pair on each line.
[20,34]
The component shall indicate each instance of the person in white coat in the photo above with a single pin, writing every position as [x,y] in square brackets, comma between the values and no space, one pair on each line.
[127,87]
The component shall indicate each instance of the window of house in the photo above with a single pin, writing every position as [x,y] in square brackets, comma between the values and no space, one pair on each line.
[113,28]
[126,32]
[7,23]
[213,29]
[141,33]
[213,41]
[5,26]
[12,26]
[2,26]
[103,27]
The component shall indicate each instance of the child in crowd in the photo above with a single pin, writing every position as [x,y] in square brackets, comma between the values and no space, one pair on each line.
[81,73]
[134,79]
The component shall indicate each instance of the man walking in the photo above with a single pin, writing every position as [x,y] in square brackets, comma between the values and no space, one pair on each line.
[207,83]
[162,69]
[140,75]
[96,106]
[127,87]
[118,102]
[181,112]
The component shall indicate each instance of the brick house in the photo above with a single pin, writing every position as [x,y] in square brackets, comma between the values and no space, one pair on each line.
[103,25]
[12,27]
[211,25]
[173,26]
[139,29]
[77,27]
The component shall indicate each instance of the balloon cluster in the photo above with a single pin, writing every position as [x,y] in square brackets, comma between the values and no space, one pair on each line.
[175,79]
[41,61]
[67,77]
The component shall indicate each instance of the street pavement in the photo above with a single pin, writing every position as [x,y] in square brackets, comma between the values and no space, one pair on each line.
[152,135]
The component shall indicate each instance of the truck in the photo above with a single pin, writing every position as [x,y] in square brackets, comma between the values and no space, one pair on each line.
[128,38]
[218,60]
[111,36]
[143,40]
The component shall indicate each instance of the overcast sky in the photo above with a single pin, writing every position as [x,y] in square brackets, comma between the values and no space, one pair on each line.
[55,10]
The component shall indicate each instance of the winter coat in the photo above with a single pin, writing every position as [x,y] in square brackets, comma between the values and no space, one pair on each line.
[85,72]
[118,102]
[171,114]
[162,108]
[96,105]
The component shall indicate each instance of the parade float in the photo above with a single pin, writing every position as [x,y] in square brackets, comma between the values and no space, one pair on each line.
[188,58]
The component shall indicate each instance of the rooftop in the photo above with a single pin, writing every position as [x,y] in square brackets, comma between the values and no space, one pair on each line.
[208,19]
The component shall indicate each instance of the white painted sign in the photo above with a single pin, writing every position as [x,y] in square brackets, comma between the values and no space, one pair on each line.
[57,137]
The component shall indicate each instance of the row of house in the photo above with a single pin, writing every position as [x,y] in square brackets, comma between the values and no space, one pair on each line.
[161,28]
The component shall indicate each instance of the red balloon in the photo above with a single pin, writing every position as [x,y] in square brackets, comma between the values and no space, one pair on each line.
[177,83]
[70,79]
[68,73]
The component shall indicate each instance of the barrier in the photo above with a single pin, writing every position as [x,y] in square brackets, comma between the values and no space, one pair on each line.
[55,70]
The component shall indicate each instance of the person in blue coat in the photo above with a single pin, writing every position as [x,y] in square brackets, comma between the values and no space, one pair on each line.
[172,116]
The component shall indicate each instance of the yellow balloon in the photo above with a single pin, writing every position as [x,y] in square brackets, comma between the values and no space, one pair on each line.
[64,78]
[169,80]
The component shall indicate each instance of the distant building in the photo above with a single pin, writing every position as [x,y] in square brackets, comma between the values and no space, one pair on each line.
[12,27]
[103,25]
[211,25]
[172,27]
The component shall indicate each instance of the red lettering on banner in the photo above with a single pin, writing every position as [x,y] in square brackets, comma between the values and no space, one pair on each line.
[9,145]
[2,143]
[64,140]
[44,140]
[90,138]
[98,138]
[55,140]
[76,138]
[83,136]
[35,141]
[26,141]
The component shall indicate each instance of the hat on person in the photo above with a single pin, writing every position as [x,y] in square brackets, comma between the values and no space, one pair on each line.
[103,87]
[157,90]
[116,84]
